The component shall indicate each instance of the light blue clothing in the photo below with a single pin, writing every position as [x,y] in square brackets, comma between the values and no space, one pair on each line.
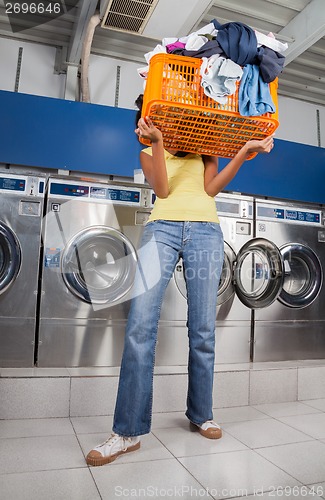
[200,244]
[219,77]
[254,97]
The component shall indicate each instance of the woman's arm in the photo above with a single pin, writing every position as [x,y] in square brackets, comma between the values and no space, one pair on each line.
[154,167]
[215,182]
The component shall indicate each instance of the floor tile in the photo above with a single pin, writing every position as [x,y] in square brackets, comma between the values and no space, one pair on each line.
[274,365]
[309,362]
[285,409]
[232,367]
[92,425]
[92,396]
[151,448]
[34,372]
[311,383]
[169,393]
[319,404]
[237,414]
[238,473]
[304,461]
[154,479]
[35,427]
[40,453]
[17,372]
[94,371]
[34,397]
[70,484]
[182,442]
[267,432]
[169,419]
[273,386]
[313,425]
[170,370]
[230,389]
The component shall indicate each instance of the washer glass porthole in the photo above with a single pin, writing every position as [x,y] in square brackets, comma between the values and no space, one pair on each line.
[258,273]
[303,276]
[10,257]
[98,265]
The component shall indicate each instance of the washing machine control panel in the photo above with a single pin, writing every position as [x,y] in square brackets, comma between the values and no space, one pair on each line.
[230,207]
[120,195]
[24,184]
[288,214]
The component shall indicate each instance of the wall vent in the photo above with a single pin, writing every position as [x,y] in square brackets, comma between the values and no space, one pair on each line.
[130,16]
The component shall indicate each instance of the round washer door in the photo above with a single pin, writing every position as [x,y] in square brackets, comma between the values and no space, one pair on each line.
[226,288]
[98,265]
[303,276]
[258,273]
[10,257]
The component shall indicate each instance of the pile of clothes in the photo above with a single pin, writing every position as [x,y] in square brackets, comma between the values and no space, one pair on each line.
[231,53]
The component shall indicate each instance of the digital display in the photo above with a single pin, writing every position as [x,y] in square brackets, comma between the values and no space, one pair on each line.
[98,192]
[228,207]
[72,190]
[123,195]
[302,216]
[270,212]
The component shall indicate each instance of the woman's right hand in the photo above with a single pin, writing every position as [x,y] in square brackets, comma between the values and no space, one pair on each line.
[260,146]
[147,130]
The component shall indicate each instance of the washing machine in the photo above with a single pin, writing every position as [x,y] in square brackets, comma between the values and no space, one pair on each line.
[91,234]
[21,210]
[292,326]
[233,315]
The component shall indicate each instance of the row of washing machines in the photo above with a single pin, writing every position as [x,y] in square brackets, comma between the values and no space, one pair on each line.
[69,250]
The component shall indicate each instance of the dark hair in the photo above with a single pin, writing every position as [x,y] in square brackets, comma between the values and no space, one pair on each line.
[138,102]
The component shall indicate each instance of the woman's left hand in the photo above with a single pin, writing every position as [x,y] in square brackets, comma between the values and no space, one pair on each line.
[263,146]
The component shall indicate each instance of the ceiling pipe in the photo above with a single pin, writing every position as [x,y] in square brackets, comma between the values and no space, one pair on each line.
[85,55]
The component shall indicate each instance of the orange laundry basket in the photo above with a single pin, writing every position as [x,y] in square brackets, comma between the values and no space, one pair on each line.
[193,122]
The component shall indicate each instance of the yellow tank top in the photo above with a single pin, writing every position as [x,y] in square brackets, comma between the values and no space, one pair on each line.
[187,199]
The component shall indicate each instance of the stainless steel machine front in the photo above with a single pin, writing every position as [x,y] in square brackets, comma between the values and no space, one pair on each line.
[91,232]
[233,331]
[21,209]
[293,326]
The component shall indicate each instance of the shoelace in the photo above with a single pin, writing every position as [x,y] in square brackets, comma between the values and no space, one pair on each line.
[111,440]
[213,424]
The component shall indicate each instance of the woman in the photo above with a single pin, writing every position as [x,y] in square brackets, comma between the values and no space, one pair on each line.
[183,223]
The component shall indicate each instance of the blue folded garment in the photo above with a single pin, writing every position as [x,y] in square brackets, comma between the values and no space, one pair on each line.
[238,41]
[254,97]
[270,63]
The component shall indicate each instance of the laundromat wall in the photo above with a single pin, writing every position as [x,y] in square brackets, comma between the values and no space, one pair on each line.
[73,136]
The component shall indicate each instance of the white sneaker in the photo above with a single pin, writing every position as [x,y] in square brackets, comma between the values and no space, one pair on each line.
[114,446]
[210,429]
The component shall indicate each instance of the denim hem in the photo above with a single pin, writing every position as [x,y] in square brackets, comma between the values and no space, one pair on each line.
[130,435]
[197,423]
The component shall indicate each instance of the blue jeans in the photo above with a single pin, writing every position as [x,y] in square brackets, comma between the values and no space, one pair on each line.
[200,244]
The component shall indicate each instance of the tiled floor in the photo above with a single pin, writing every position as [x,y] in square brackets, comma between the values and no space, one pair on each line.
[268,450]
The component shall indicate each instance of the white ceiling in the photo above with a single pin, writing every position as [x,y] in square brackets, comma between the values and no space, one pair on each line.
[300,23]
